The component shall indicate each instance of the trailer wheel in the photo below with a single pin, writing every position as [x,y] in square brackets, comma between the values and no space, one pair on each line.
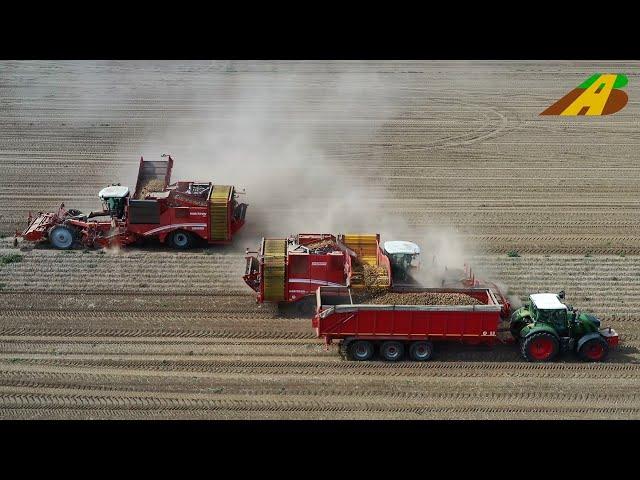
[594,350]
[181,240]
[540,347]
[361,350]
[61,237]
[392,351]
[421,351]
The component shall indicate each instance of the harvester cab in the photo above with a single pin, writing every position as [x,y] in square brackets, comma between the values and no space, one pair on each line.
[114,200]
[546,325]
[404,258]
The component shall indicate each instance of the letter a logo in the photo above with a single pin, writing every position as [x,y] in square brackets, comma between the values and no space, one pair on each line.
[598,95]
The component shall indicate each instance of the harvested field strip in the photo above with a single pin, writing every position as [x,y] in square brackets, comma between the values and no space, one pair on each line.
[20,397]
[451,413]
[187,363]
[89,370]
[297,396]
[139,336]
[118,335]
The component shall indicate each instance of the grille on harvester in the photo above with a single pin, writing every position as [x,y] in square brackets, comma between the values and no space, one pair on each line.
[219,212]
[275,254]
[366,248]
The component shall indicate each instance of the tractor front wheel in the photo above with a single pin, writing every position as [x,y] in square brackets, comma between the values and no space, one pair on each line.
[594,350]
[181,240]
[61,237]
[540,347]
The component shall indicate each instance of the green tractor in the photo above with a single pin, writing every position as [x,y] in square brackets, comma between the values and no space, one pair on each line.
[545,326]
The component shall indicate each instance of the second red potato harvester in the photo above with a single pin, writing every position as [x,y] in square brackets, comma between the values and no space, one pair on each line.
[290,270]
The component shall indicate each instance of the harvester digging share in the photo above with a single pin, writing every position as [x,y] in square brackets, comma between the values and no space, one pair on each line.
[178,214]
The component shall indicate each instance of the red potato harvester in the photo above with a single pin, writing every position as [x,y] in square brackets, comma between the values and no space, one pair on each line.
[289,270]
[178,214]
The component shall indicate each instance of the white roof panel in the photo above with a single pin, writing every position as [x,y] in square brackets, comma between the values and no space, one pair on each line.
[400,246]
[114,191]
[547,301]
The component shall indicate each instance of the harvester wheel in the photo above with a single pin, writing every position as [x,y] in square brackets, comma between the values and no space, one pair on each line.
[392,351]
[181,240]
[361,350]
[421,351]
[540,347]
[594,350]
[61,237]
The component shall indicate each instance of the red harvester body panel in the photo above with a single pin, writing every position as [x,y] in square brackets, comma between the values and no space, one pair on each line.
[472,324]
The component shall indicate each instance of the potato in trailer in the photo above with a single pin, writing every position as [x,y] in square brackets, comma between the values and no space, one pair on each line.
[394,329]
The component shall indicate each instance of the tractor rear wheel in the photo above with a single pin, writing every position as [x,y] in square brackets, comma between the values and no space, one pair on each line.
[594,350]
[540,347]
[181,240]
[61,237]
[392,351]
[361,350]
[421,351]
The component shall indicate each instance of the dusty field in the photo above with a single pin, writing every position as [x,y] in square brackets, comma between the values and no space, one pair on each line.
[154,334]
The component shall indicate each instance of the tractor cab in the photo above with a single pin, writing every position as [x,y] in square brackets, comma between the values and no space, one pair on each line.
[404,258]
[547,308]
[114,199]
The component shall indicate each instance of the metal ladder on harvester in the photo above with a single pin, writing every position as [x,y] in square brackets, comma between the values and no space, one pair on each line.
[273,269]
[219,212]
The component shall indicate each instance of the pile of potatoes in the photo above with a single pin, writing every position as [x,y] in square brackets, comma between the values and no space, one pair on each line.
[153,185]
[423,298]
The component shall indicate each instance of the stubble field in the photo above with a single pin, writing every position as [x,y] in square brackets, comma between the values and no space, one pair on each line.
[150,333]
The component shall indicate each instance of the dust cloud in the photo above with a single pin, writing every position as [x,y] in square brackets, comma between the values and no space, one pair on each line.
[290,138]
[286,139]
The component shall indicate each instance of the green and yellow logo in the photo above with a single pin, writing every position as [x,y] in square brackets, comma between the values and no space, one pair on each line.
[598,95]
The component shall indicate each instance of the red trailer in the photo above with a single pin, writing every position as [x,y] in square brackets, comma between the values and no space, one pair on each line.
[394,329]
[177,214]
